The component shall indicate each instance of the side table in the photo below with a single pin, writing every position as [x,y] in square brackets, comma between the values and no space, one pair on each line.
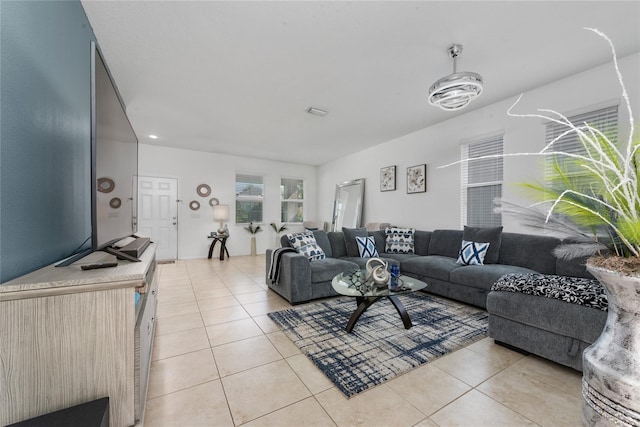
[223,245]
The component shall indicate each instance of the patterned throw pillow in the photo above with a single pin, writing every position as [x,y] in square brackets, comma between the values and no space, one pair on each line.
[472,253]
[305,244]
[367,247]
[399,240]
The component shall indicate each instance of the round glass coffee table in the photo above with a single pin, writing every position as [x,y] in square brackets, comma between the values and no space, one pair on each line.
[366,294]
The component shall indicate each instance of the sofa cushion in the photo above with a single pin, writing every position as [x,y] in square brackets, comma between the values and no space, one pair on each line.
[362,262]
[284,241]
[338,248]
[445,243]
[421,241]
[435,266]
[576,267]
[323,242]
[326,269]
[491,235]
[398,257]
[483,276]
[379,237]
[529,251]
[399,240]
[472,253]
[573,267]
[350,239]
[367,247]
[305,244]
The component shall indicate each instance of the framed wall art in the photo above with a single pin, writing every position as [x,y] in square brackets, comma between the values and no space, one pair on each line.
[417,179]
[203,190]
[388,178]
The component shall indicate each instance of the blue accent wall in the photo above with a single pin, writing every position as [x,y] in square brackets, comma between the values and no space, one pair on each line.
[45,95]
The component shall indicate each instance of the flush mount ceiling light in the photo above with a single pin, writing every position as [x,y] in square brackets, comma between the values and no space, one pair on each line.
[153,136]
[456,90]
[317,111]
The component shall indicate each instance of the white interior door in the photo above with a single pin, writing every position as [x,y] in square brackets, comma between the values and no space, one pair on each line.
[158,214]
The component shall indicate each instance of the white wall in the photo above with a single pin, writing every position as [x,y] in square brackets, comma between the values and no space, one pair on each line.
[192,168]
[438,145]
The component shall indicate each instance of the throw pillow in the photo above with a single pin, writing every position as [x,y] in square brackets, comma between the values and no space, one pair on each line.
[305,244]
[399,240]
[472,253]
[491,235]
[367,247]
[350,235]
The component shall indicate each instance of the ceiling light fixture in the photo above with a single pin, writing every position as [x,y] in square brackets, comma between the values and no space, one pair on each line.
[317,111]
[456,90]
[153,136]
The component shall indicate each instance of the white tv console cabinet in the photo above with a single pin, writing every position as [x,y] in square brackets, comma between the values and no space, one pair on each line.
[69,336]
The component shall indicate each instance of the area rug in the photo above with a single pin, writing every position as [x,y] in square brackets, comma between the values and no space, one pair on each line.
[379,348]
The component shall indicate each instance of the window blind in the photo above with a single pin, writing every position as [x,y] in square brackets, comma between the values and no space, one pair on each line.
[481,182]
[604,119]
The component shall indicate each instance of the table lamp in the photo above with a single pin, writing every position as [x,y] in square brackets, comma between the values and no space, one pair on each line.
[221,213]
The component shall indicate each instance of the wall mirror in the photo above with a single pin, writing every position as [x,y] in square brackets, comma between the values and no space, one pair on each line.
[348,205]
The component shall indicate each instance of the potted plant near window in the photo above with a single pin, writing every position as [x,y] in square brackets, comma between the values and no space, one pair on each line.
[597,194]
[253,229]
[278,230]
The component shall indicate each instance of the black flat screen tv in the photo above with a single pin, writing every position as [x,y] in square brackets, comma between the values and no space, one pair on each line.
[114,152]
[114,165]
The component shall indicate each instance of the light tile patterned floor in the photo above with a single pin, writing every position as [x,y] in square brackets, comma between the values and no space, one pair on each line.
[218,360]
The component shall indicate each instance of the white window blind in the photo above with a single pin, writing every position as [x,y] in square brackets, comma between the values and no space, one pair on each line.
[291,200]
[481,182]
[604,119]
[249,198]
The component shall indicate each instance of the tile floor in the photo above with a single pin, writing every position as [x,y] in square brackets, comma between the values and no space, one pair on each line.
[218,360]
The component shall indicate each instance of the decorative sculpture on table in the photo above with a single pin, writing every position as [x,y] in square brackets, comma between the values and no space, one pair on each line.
[378,274]
[374,277]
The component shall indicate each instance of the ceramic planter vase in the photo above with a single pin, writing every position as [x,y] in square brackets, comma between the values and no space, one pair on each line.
[253,245]
[611,366]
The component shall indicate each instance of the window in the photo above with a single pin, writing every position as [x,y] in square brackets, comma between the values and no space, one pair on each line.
[291,200]
[249,197]
[481,182]
[605,120]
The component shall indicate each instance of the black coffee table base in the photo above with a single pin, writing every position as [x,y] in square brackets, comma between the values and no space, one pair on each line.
[365,302]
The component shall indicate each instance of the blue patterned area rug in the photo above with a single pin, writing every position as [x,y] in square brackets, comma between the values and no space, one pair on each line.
[379,348]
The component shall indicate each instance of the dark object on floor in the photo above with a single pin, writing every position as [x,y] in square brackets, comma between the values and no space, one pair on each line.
[90,414]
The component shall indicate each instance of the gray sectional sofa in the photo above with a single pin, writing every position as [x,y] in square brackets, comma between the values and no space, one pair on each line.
[548,327]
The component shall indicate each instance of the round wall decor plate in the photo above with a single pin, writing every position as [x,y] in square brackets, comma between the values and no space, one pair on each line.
[203,190]
[213,201]
[106,185]
[115,203]
[194,205]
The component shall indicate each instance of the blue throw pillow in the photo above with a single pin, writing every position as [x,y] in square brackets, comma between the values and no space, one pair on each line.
[367,247]
[472,253]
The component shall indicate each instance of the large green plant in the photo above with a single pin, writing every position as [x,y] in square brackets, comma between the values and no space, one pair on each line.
[596,192]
